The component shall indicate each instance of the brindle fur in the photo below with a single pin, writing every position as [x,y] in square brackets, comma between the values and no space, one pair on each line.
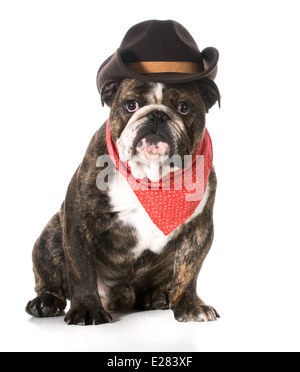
[85,241]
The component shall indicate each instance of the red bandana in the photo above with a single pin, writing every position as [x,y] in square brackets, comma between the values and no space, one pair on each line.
[173,199]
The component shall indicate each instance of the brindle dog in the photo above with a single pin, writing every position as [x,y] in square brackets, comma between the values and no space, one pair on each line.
[88,251]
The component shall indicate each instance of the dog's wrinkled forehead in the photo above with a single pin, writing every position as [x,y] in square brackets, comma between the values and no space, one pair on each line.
[144,92]
[154,93]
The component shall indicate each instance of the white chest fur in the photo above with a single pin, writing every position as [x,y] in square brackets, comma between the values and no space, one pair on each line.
[124,201]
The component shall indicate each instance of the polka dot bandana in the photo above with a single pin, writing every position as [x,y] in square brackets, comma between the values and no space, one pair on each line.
[173,199]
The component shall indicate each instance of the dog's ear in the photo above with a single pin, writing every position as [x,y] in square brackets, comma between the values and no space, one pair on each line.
[209,92]
[108,92]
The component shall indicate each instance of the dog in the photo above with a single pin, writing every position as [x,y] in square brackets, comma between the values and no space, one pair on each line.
[101,250]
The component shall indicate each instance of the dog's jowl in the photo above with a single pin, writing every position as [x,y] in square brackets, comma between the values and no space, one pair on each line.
[137,220]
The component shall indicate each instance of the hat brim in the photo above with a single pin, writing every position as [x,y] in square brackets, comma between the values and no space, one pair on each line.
[115,69]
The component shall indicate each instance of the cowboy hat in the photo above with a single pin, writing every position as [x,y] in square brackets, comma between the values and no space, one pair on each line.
[159,51]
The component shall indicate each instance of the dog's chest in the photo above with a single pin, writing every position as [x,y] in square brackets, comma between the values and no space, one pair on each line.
[131,212]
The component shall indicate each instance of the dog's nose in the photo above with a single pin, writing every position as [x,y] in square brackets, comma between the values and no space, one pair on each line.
[157,116]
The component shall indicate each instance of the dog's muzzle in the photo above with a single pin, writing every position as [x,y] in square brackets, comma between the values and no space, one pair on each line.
[152,131]
[153,138]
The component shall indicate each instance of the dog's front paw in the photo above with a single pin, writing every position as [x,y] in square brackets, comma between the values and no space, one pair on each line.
[82,315]
[194,310]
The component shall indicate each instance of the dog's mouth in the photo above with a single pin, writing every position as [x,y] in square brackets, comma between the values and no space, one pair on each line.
[151,153]
[152,146]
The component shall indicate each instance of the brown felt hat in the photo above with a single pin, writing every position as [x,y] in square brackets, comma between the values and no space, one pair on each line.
[159,51]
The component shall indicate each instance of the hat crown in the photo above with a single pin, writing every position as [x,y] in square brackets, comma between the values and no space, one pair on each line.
[159,51]
[159,41]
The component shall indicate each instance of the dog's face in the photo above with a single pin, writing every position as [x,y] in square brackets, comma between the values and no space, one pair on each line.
[152,122]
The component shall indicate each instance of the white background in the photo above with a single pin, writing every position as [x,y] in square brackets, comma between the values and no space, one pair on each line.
[49,110]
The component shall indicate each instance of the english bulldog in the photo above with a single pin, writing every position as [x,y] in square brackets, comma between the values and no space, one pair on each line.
[107,249]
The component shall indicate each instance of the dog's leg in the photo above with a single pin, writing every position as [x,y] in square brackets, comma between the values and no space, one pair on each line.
[189,257]
[49,270]
[186,304]
[86,307]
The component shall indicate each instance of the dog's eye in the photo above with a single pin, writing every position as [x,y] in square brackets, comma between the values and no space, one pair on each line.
[184,108]
[132,106]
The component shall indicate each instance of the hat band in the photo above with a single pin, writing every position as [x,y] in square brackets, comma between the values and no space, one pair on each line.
[157,67]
